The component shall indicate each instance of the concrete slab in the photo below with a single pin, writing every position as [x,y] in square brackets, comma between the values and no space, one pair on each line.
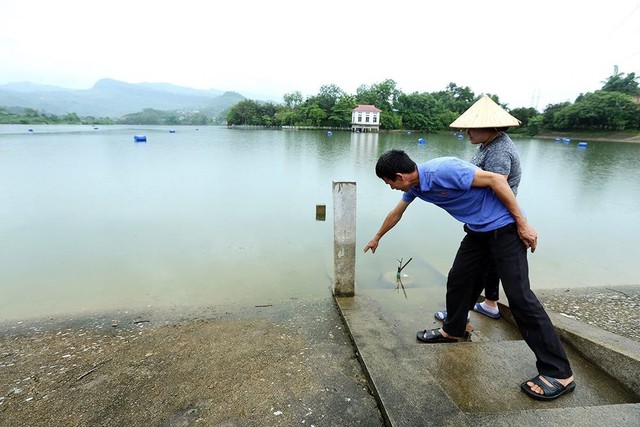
[472,383]
[595,416]
[397,380]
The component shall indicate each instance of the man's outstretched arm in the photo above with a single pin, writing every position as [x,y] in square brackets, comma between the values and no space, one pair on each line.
[389,222]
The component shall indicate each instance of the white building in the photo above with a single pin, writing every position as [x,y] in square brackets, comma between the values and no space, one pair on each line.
[365,118]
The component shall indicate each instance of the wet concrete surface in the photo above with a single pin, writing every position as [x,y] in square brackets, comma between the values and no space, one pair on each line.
[477,382]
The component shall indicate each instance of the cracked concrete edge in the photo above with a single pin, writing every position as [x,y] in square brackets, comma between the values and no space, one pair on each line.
[363,365]
[616,355]
[401,396]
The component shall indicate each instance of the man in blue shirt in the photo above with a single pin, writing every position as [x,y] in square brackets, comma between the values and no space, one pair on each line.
[497,231]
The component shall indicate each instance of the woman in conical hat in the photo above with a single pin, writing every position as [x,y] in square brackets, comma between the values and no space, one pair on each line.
[485,113]
[485,123]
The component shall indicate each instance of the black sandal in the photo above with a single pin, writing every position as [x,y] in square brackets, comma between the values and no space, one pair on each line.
[431,336]
[553,391]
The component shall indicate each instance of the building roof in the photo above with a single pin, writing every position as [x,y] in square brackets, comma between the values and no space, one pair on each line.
[367,108]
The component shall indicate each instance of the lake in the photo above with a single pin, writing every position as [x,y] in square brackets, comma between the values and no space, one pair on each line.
[91,220]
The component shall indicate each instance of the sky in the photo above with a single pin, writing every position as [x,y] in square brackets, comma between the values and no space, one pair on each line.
[529,53]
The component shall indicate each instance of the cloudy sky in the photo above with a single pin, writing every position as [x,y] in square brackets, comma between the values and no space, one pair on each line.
[530,54]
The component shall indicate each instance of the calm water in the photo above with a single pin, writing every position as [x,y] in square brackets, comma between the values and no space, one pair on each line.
[90,220]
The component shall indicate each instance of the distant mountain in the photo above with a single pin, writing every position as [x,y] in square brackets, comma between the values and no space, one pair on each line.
[30,87]
[113,98]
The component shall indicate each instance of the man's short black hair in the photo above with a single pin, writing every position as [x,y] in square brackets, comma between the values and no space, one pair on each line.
[393,162]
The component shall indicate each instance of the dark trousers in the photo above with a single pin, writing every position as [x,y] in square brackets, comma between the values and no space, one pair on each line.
[491,283]
[504,248]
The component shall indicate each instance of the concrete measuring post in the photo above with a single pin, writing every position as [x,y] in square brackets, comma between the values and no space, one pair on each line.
[344,238]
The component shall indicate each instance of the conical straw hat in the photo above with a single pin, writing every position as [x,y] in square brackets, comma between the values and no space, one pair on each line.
[485,113]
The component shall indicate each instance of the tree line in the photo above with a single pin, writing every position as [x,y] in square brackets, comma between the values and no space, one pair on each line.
[614,107]
[148,116]
[31,116]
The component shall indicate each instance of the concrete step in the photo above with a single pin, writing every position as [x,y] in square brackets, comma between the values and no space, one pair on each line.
[470,383]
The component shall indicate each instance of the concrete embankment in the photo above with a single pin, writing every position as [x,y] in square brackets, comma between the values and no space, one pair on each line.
[477,382]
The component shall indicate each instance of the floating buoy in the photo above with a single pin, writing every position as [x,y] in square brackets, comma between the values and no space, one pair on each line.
[409,133]
[329,133]
[582,144]
[172,131]
[95,128]
[139,138]
[421,141]
[30,130]
[460,136]
[558,139]
[566,140]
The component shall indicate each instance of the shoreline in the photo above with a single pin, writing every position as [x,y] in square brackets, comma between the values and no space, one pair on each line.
[284,363]
[613,137]
[606,307]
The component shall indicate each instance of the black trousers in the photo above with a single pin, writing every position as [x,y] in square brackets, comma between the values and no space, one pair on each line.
[477,252]
[491,283]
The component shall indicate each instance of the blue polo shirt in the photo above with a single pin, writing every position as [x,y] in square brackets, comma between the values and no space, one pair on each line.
[446,182]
